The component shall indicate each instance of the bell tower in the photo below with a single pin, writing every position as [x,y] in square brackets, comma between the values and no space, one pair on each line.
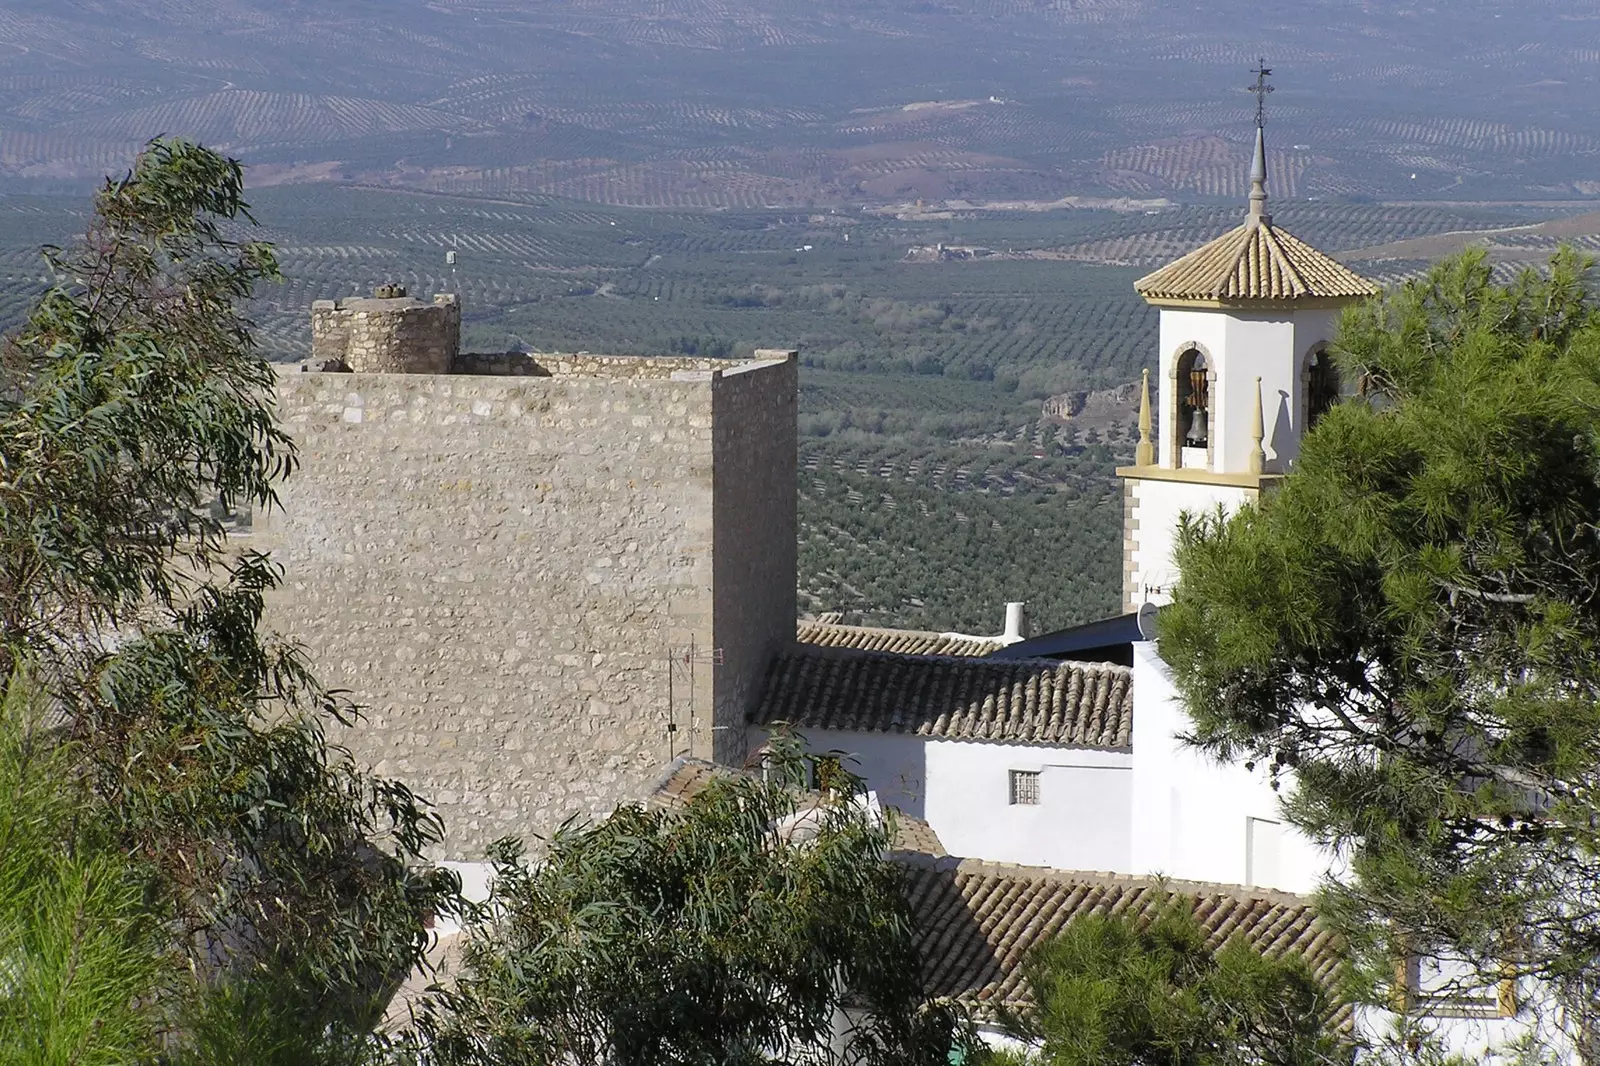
[1243,372]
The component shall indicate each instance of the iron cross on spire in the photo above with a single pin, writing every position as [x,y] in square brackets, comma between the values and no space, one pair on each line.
[1261,89]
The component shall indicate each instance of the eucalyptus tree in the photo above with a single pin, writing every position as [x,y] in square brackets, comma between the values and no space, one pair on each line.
[135,417]
[1411,625]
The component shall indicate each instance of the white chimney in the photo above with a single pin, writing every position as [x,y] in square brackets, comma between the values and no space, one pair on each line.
[1016,623]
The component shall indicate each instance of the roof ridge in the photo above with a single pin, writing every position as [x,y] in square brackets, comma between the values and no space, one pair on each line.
[1107,877]
[1281,256]
[891,629]
[829,651]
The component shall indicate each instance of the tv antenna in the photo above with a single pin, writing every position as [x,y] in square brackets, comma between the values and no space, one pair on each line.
[1261,89]
[681,663]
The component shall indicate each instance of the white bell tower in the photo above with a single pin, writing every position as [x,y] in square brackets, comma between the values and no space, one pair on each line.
[1243,372]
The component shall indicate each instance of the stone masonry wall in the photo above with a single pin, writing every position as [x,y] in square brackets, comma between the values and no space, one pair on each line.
[498,569]
[398,335]
[755,538]
[562,364]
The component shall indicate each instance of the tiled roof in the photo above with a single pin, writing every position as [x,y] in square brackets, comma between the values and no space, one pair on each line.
[1254,262]
[685,778]
[1024,701]
[828,634]
[976,921]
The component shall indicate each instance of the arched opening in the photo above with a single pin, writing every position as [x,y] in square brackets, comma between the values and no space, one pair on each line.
[1322,385]
[1194,400]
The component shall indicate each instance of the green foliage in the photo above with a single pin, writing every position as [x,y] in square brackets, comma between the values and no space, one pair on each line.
[940,537]
[77,946]
[135,417]
[267,1020]
[1411,625]
[1110,992]
[731,931]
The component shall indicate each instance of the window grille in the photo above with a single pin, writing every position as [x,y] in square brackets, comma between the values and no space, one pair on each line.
[1025,788]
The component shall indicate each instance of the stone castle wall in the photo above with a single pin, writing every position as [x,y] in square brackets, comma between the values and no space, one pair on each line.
[501,568]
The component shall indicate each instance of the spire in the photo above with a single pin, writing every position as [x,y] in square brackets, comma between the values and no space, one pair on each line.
[1258,164]
[1145,455]
[1258,433]
[1258,181]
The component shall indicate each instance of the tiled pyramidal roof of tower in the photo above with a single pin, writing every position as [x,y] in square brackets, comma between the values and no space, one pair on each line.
[1256,261]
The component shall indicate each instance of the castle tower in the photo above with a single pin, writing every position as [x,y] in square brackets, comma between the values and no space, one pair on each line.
[542,576]
[1245,322]
[387,333]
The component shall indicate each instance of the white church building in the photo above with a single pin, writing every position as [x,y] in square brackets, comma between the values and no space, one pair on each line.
[1061,752]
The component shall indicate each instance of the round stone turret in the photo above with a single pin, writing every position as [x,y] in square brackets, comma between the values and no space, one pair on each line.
[387,333]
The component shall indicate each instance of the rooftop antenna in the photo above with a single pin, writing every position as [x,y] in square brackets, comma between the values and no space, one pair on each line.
[450,261]
[1258,164]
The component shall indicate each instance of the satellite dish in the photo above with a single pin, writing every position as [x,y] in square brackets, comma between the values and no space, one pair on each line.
[1146,618]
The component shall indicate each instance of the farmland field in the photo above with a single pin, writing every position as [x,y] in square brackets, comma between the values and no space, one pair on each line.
[931,491]
[743,104]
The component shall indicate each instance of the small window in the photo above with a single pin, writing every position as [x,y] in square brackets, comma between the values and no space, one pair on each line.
[1441,987]
[827,773]
[1262,841]
[1322,386]
[1025,788]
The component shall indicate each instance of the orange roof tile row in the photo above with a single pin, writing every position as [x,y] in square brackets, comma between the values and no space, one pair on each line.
[1025,701]
[1254,262]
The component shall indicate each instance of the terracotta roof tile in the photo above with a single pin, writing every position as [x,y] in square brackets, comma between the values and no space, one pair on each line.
[1024,701]
[1254,262]
[976,921]
[828,634]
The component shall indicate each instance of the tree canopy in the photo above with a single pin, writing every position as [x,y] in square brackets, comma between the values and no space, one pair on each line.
[752,926]
[1405,632]
[135,416]
[1112,991]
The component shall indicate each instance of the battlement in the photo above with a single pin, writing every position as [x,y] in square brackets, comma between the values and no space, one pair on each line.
[391,332]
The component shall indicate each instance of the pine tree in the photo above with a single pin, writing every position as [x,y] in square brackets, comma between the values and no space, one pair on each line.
[1407,632]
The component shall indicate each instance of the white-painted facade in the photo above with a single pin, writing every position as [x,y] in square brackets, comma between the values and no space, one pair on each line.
[1197,820]
[1241,346]
[963,790]
[1157,506]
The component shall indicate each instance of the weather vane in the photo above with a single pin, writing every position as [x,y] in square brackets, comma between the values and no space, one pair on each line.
[1261,89]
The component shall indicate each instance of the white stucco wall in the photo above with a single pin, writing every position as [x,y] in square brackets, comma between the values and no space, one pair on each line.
[1193,818]
[1083,820]
[1156,507]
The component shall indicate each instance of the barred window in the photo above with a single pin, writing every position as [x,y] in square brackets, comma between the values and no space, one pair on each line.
[1025,787]
[827,773]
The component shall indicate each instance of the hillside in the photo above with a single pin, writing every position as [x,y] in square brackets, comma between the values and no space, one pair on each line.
[747,103]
